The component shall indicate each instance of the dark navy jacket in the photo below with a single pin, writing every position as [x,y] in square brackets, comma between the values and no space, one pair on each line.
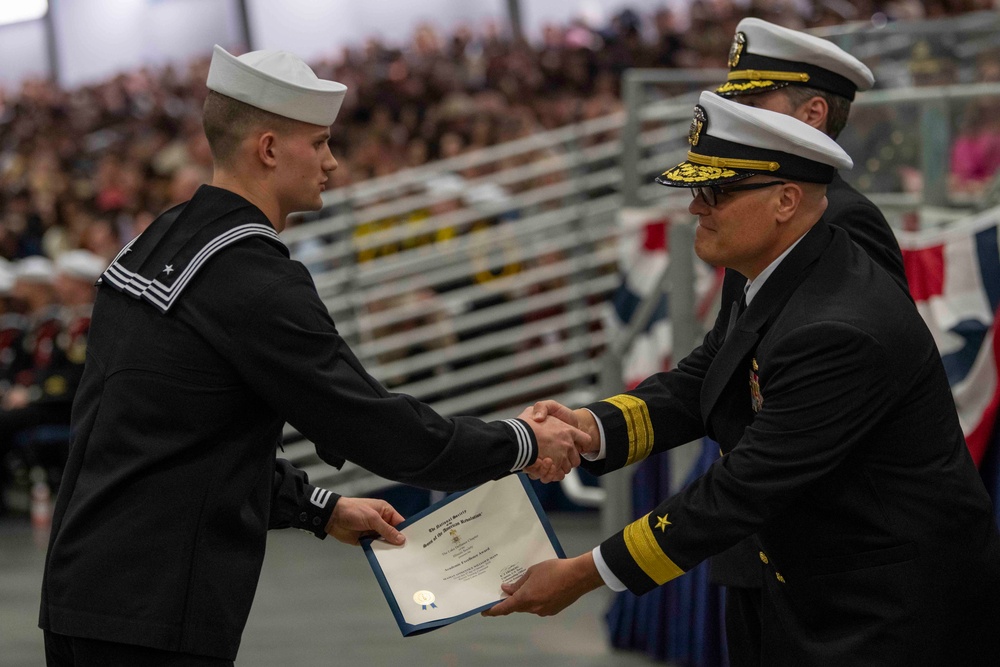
[842,452]
[206,338]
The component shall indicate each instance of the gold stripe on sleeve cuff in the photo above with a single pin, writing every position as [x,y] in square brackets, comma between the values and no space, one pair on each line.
[647,553]
[638,425]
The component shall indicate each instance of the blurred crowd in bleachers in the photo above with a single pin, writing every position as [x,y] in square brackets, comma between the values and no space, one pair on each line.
[45,310]
[88,169]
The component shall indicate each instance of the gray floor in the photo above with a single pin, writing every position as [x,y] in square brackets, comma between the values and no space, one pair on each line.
[318,604]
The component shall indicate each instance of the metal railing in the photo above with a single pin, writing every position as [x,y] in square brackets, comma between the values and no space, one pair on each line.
[477,295]
[904,53]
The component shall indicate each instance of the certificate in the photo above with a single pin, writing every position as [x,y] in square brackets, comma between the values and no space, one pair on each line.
[459,551]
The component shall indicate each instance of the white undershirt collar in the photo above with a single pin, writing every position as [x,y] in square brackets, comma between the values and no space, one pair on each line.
[753,286]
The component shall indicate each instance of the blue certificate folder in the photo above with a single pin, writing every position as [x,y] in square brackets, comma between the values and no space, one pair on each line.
[409,629]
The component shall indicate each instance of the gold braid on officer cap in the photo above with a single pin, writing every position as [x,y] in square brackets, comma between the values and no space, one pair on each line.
[733,163]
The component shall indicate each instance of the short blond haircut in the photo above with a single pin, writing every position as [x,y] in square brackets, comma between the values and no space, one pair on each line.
[228,122]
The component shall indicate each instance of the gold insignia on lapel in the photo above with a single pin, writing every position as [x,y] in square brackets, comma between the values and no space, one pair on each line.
[662,523]
[736,50]
[697,125]
[756,398]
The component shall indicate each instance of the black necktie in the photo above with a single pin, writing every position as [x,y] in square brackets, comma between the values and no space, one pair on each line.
[734,313]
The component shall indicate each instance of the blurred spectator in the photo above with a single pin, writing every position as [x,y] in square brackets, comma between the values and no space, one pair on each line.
[34,295]
[32,341]
[35,412]
[12,326]
[185,182]
[932,64]
[21,230]
[975,153]
[420,313]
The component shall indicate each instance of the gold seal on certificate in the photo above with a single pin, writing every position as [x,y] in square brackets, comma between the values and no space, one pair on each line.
[424,599]
[459,551]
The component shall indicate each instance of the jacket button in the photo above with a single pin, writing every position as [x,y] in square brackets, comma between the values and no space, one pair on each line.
[780,578]
[303,516]
[763,558]
[316,520]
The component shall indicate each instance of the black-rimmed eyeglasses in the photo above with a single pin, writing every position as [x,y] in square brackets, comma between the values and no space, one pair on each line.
[710,193]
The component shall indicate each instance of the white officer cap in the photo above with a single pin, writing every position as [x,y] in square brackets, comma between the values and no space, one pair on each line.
[765,57]
[34,269]
[731,142]
[81,264]
[276,81]
[485,194]
[445,186]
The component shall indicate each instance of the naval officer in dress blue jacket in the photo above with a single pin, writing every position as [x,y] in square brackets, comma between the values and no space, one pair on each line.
[841,446]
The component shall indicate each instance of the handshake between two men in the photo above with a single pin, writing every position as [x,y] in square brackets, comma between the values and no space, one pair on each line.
[553,423]
[563,436]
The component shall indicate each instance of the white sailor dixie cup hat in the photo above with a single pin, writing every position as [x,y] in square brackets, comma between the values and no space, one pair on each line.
[34,269]
[81,264]
[731,142]
[276,81]
[6,277]
[766,57]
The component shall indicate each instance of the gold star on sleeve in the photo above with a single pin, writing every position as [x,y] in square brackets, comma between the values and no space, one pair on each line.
[640,540]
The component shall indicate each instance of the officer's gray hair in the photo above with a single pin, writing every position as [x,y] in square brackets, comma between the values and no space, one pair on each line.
[838,108]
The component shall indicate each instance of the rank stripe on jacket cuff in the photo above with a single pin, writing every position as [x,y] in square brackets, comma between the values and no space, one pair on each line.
[647,553]
[638,424]
[525,448]
[315,509]
[320,497]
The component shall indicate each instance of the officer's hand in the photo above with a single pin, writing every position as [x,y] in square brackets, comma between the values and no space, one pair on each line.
[558,442]
[549,587]
[548,408]
[354,518]
[580,418]
[544,470]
